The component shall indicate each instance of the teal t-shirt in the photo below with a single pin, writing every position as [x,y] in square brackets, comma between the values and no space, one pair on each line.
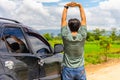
[73,47]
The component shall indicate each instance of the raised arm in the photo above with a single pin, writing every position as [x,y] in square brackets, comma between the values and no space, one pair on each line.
[64,17]
[64,14]
[17,40]
[82,14]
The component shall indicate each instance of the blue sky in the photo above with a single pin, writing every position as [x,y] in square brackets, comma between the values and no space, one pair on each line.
[46,14]
[86,3]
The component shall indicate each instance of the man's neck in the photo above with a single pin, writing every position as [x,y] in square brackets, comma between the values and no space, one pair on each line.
[74,33]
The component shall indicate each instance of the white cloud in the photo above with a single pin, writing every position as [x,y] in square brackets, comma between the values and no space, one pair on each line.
[7,5]
[47,1]
[105,15]
[102,27]
[33,13]
[7,8]
[110,4]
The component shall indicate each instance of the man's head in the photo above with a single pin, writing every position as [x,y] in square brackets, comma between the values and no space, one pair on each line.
[74,24]
[15,46]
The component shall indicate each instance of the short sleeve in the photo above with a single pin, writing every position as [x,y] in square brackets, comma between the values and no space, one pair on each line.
[82,31]
[64,31]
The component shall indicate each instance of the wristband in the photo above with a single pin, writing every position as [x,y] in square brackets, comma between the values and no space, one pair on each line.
[66,7]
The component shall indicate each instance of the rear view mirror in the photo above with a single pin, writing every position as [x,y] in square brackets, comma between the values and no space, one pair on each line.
[58,48]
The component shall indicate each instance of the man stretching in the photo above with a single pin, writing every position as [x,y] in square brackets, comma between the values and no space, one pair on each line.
[74,35]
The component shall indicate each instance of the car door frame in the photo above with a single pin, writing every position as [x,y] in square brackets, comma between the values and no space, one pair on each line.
[49,56]
[31,53]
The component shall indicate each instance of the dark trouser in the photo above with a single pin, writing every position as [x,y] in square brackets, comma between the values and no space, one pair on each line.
[73,73]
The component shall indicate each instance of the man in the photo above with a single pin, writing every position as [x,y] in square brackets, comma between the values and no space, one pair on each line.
[73,39]
[18,46]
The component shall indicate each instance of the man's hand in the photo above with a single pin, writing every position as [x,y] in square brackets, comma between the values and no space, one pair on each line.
[73,4]
[69,4]
[5,37]
[14,37]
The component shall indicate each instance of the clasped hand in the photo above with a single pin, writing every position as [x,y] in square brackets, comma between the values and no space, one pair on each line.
[72,4]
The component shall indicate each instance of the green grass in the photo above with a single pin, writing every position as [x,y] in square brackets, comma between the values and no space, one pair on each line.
[113,55]
[94,54]
[92,47]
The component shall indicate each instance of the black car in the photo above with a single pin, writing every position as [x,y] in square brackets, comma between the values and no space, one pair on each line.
[26,55]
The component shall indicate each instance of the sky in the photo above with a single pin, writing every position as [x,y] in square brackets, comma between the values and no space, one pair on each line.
[46,14]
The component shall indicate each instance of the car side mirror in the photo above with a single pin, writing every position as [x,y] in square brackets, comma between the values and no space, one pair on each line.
[58,48]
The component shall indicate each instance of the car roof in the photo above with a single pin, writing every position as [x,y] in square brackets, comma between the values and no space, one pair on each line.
[12,22]
[8,21]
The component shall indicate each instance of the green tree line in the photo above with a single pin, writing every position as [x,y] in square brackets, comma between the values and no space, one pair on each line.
[91,35]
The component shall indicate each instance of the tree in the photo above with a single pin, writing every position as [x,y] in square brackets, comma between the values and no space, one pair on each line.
[113,35]
[90,36]
[97,33]
[48,36]
[105,44]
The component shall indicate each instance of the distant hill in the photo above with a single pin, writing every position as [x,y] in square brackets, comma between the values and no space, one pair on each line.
[51,31]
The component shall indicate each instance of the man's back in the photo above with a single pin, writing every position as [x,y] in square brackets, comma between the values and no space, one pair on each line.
[73,47]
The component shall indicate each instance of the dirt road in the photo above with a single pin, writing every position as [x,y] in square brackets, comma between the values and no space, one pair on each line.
[105,71]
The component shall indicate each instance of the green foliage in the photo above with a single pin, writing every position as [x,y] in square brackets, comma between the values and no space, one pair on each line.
[93,58]
[53,42]
[113,35]
[47,36]
[111,55]
[97,33]
[105,42]
[118,37]
[90,36]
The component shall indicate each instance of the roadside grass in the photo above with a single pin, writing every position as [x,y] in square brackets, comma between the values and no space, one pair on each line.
[92,48]
[111,55]
[93,53]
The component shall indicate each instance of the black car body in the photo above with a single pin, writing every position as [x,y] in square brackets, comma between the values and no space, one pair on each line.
[39,62]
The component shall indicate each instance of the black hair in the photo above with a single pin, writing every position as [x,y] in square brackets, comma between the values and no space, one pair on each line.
[74,24]
[15,46]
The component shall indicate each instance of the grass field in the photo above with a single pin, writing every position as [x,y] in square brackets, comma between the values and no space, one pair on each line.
[94,54]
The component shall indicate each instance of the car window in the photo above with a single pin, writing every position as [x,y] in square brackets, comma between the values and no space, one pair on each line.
[15,41]
[37,43]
